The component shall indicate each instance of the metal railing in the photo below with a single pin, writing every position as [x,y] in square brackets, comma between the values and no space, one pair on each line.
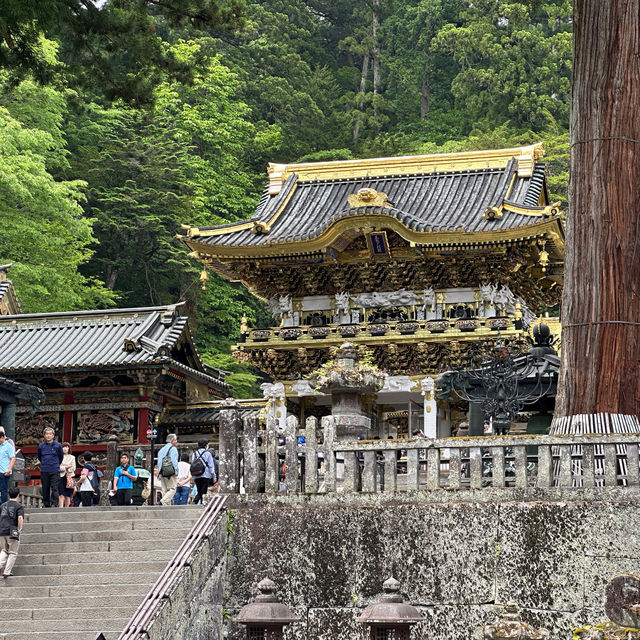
[144,616]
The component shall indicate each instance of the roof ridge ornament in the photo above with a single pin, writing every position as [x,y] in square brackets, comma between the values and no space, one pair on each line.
[367,197]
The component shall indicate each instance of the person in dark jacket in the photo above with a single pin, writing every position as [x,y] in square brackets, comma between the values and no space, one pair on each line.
[50,455]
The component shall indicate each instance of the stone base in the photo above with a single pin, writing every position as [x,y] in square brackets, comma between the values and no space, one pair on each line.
[350,426]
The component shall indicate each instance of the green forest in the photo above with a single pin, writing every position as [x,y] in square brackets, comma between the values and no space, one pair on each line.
[120,120]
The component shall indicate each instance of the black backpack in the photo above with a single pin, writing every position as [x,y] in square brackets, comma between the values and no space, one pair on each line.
[197,467]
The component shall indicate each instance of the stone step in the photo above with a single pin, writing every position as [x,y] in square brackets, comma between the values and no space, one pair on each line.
[60,635]
[91,536]
[132,545]
[50,592]
[87,568]
[48,614]
[147,577]
[82,557]
[70,624]
[14,602]
[188,520]
[108,513]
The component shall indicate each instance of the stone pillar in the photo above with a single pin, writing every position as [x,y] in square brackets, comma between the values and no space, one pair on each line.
[311,455]
[271,456]
[112,456]
[291,454]
[430,428]
[328,428]
[9,420]
[250,455]
[229,480]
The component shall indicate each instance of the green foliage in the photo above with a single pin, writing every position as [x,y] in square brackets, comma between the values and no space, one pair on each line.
[44,232]
[113,46]
[122,120]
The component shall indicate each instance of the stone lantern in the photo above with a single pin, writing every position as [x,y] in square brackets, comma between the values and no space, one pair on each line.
[266,616]
[390,618]
[510,626]
[348,379]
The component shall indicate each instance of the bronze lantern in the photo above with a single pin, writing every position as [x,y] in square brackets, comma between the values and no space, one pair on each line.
[266,616]
[390,618]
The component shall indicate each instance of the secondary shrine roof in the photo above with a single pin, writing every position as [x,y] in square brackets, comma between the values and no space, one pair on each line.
[114,338]
[482,193]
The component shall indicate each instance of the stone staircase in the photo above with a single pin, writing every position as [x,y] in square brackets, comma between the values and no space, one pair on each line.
[84,571]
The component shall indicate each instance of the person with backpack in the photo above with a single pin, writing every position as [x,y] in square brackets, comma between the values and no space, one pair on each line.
[89,483]
[202,469]
[11,521]
[168,469]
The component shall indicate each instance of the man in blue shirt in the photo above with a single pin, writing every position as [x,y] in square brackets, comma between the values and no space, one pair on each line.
[7,460]
[168,483]
[50,455]
[123,479]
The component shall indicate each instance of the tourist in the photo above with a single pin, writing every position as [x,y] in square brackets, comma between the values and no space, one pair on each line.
[7,460]
[208,477]
[50,455]
[11,520]
[123,479]
[89,482]
[66,484]
[183,481]
[169,470]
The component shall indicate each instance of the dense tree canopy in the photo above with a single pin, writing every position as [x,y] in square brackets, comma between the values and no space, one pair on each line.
[122,119]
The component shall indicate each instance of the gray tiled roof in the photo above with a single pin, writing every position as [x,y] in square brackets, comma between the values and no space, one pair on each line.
[6,289]
[205,415]
[442,201]
[91,339]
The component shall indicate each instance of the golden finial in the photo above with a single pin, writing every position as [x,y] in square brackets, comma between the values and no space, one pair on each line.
[244,325]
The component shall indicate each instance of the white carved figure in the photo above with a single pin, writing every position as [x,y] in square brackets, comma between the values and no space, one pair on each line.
[528,316]
[274,391]
[397,383]
[427,385]
[342,302]
[488,293]
[280,305]
[386,299]
[505,299]
[428,299]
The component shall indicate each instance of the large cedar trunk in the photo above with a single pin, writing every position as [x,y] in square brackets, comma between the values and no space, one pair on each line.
[601,299]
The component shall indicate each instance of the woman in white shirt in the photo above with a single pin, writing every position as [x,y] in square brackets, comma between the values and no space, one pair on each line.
[68,465]
[183,481]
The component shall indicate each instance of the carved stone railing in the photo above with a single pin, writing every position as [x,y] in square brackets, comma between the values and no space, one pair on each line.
[31,497]
[398,331]
[455,464]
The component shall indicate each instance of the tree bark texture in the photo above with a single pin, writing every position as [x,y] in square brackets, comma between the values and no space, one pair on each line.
[360,102]
[601,299]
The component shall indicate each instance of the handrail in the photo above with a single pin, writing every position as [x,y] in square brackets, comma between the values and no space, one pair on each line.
[139,623]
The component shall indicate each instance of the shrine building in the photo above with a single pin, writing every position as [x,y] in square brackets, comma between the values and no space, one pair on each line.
[104,373]
[410,258]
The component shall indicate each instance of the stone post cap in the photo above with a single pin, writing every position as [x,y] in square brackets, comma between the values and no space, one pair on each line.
[390,608]
[229,403]
[510,626]
[266,610]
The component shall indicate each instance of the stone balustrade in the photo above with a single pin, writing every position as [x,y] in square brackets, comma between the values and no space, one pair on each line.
[565,462]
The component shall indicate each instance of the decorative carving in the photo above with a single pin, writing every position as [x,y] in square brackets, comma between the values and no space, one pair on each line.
[492,213]
[97,427]
[280,305]
[342,302]
[369,198]
[428,299]
[29,428]
[386,299]
[131,345]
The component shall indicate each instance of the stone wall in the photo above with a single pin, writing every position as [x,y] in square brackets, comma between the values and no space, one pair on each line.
[456,560]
